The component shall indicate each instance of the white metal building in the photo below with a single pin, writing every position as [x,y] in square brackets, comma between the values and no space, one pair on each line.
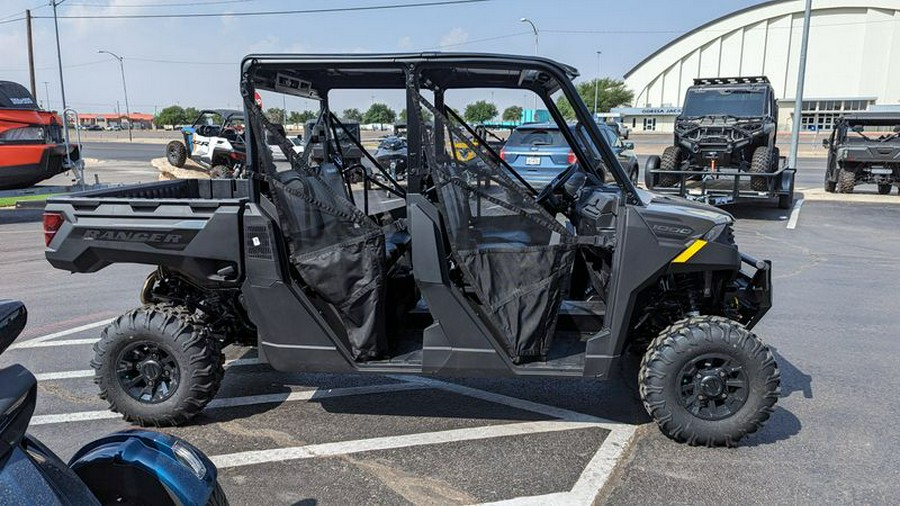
[853,61]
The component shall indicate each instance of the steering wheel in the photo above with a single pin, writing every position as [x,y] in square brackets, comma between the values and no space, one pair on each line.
[547,196]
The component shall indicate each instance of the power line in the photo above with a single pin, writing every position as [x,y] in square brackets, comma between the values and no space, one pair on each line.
[13,20]
[268,13]
[475,41]
[177,4]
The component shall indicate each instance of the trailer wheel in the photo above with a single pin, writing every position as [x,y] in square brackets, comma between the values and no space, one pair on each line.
[764,161]
[176,153]
[846,181]
[156,366]
[708,380]
[220,172]
[652,164]
[671,160]
[884,189]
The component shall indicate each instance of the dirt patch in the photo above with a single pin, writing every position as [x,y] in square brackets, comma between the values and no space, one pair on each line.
[167,171]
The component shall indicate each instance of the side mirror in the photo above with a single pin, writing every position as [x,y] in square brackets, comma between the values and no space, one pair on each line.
[628,145]
[826,143]
[12,320]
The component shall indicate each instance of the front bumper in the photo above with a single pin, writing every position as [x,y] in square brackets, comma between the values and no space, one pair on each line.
[754,289]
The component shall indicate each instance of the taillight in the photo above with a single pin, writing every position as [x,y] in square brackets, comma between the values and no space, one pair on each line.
[237,155]
[502,154]
[571,158]
[52,222]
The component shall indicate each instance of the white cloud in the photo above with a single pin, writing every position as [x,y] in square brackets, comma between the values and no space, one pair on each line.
[455,37]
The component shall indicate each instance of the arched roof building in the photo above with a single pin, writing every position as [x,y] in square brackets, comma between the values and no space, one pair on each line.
[853,58]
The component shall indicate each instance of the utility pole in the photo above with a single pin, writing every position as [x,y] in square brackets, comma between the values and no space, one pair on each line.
[597,84]
[62,85]
[30,52]
[798,97]
[536,51]
[124,88]
[47,94]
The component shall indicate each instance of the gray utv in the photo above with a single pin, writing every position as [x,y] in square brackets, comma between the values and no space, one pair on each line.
[464,270]
[864,148]
[724,145]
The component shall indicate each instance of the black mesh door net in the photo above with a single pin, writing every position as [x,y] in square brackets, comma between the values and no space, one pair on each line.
[515,255]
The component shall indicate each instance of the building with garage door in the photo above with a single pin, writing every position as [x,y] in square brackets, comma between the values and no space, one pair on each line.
[853,61]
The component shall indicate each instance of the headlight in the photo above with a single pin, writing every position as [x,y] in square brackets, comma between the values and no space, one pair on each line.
[31,133]
[187,457]
[717,230]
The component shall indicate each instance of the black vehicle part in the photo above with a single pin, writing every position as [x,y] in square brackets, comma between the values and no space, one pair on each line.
[156,366]
[671,160]
[327,234]
[221,172]
[176,153]
[846,181]
[708,380]
[884,189]
[764,161]
[515,256]
[650,179]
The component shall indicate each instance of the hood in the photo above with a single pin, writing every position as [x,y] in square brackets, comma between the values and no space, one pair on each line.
[678,217]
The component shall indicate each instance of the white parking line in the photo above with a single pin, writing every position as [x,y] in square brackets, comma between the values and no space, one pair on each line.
[392,442]
[37,341]
[88,373]
[250,400]
[795,215]
[53,344]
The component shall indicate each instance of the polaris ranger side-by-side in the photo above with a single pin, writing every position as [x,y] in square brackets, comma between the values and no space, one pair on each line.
[724,146]
[472,273]
[864,148]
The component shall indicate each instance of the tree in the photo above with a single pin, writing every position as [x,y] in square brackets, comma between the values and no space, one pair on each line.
[352,114]
[512,113]
[301,117]
[172,115]
[480,111]
[426,115]
[611,93]
[379,113]
[275,115]
[190,114]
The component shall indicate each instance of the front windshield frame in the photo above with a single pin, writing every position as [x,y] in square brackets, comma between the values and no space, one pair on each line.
[706,102]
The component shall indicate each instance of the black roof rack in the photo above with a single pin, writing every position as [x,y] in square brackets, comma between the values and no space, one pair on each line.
[732,80]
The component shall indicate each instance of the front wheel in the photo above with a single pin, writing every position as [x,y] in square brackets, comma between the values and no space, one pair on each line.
[156,366]
[708,380]
[176,153]
[671,161]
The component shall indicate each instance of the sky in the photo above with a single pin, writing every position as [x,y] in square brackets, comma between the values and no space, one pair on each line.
[194,61]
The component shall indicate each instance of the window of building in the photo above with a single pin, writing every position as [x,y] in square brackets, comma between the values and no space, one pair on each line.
[649,124]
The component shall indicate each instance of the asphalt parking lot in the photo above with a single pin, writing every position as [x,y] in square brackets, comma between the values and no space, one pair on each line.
[328,439]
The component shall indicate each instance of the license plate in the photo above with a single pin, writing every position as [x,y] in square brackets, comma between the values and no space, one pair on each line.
[882,171]
[532,160]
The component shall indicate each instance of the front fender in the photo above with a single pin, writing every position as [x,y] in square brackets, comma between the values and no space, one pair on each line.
[145,467]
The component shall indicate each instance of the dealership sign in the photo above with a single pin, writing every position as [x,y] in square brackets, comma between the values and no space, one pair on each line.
[647,111]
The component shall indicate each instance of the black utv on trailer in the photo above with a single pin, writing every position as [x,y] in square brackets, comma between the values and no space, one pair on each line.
[864,148]
[471,272]
[724,146]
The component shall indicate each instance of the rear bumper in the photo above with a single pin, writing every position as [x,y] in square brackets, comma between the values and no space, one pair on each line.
[24,165]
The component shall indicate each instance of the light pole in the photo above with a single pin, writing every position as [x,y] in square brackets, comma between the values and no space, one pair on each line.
[597,84]
[124,88]
[798,97]
[536,48]
[62,86]
[47,94]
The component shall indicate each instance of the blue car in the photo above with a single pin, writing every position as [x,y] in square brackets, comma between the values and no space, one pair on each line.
[539,151]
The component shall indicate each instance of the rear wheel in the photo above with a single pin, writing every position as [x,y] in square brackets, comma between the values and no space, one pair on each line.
[156,366]
[671,160]
[846,181]
[884,189]
[708,380]
[176,153]
[764,161]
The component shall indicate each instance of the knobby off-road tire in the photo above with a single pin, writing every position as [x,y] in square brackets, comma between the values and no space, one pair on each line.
[707,380]
[176,153]
[671,160]
[884,189]
[218,497]
[764,161]
[830,186]
[179,348]
[846,181]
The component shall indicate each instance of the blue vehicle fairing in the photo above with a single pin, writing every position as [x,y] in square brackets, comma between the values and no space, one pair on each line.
[153,453]
[189,132]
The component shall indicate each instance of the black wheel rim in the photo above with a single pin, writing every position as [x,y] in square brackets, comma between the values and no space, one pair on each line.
[147,372]
[713,386]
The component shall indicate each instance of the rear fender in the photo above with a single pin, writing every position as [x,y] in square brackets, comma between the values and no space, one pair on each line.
[145,467]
